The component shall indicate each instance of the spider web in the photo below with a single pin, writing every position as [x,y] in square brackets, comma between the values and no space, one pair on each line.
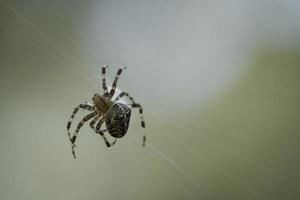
[91,78]
[171,163]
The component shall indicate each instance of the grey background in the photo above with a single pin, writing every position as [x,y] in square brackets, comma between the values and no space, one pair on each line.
[219,82]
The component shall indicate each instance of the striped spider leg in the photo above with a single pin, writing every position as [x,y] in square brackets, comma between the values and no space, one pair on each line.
[134,105]
[100,132]
[80,124]
[114,85]
[106,94]
[84,106]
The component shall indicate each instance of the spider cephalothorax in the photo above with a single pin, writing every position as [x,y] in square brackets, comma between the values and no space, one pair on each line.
[104,108]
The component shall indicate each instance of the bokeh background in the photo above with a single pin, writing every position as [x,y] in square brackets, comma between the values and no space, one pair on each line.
[219,82]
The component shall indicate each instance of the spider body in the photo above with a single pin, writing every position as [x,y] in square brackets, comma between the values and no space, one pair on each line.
[102,103]
[117,120]
[104,108]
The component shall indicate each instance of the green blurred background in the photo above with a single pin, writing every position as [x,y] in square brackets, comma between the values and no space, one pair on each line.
[219,82]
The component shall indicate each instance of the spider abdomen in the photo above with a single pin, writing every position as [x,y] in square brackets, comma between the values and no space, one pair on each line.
[117,120]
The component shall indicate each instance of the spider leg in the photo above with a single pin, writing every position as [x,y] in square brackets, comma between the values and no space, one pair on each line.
[114,85]
[104,81]
[80,124]
[94,121]
[98,131]
[134,105]
[137,105]
[84,106]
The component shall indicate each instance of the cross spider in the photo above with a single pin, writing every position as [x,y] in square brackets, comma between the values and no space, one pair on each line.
[115,114]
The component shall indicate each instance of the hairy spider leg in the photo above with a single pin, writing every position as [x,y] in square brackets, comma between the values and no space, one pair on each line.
[94,121]
[98,131]
[106,94]
[134,105]
[114,85]
[80,124]
[84,106]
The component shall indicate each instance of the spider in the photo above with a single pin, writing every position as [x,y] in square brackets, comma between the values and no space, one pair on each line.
[104,108]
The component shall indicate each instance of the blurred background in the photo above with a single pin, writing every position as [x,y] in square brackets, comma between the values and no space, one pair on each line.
[218,80]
